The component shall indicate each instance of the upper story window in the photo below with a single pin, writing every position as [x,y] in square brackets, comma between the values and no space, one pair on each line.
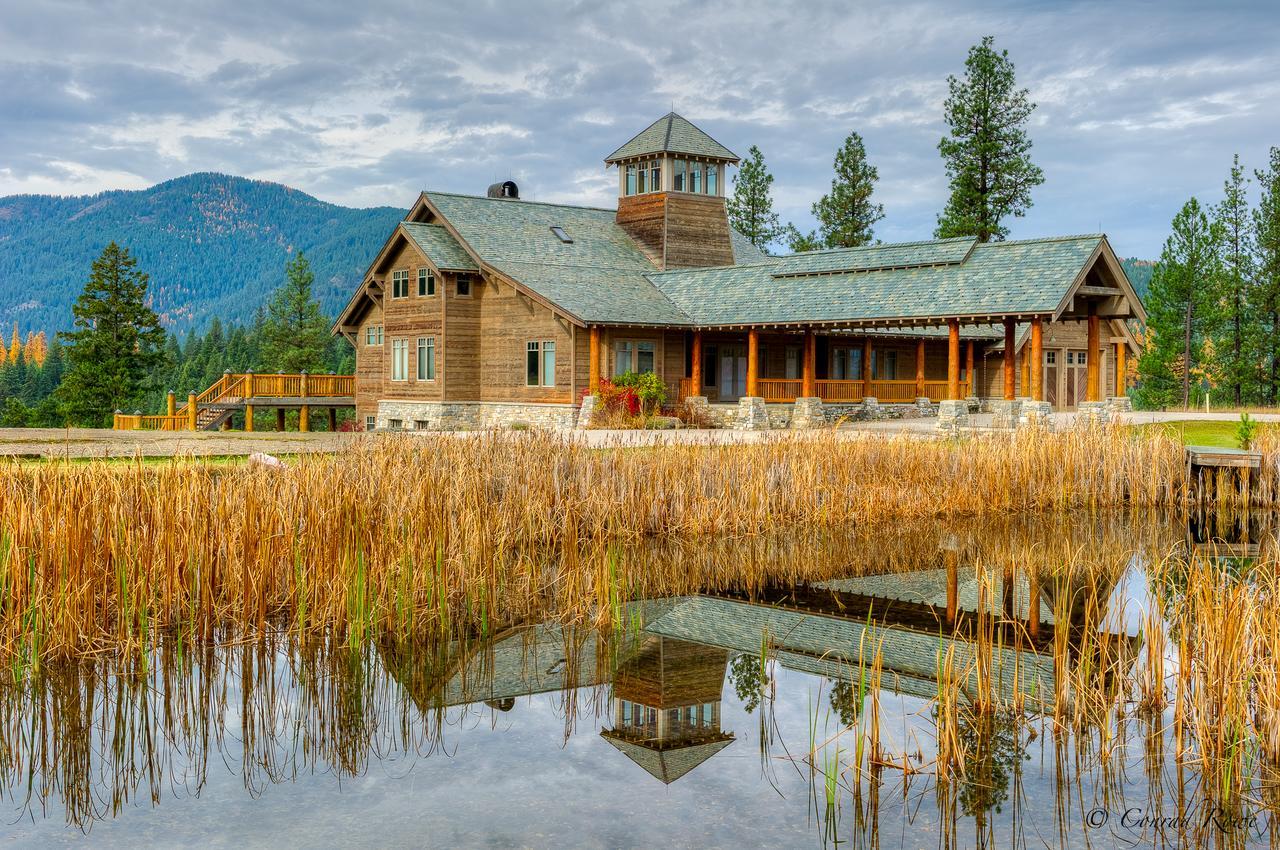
[713,175]
[678,167]
[426,282]
[463,286]
[695,177]
[373,335]
[655,176]
[630,185]
[399,359]
[400,284]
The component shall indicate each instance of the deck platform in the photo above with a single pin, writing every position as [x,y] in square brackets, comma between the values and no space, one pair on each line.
[1217,475]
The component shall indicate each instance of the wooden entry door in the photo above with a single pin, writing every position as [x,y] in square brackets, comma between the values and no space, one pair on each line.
[1077,378]
[1051,378]
[733,372]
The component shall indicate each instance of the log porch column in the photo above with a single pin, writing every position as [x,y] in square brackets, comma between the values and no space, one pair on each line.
[192,412]
[968,369]
[1010,390]
[920,368]
[953,359]
[1122,368]
[1037,360]
[695,365]
[1092,372]
[171,403]
[753,363]
[304,418]
[866,365]
[593,348]
[1025,359]
[809,373]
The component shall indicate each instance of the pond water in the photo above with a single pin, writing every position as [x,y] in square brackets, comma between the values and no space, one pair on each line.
[785,714]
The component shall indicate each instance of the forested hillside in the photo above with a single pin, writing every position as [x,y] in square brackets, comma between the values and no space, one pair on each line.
[213,245]
[1139,272]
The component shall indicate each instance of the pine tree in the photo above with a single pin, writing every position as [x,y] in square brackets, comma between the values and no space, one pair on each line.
[1232,217]
[751,206]
[991,175]
[1265,294]
[36,347]
[116,342]
[846,216]
[15,345]
[1182,307]
[799,242]
[295,333]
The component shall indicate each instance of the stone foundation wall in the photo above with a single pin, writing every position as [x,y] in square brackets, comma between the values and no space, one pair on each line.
[472,415]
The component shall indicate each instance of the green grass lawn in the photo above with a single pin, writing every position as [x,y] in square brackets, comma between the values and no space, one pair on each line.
[1196,433]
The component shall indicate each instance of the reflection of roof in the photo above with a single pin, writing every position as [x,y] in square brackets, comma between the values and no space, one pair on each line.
[929,587]
[539,659]
[835,647]
[667,765]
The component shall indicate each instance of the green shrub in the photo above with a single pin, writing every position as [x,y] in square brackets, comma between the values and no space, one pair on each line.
[648,387]
[1246,431]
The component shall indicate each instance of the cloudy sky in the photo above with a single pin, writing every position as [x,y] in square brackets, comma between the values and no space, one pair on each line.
[1141,105]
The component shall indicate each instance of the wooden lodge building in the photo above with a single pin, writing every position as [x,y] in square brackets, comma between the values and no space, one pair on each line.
[487,311]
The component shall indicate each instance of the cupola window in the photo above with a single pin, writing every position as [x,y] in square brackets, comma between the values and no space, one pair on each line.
[678,175]
[631,179]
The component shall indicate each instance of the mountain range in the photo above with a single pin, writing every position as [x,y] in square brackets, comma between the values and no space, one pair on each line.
[212,244]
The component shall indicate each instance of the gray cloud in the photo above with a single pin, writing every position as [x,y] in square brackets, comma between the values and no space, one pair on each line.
[1141,105]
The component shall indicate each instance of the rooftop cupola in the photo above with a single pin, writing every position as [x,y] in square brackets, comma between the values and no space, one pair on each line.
[671,179]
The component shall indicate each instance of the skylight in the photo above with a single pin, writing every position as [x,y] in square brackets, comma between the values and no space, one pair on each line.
[560,234]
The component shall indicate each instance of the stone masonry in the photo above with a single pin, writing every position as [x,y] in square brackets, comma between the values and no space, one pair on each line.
[753,414]
[808,414]
[472,415]
[1004,413]
[1035,414]
[1092,413]
[953,416]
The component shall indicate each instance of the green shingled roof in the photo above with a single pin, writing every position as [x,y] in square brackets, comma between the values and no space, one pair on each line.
[672,134]
[872,257]
[440,247]
[996,278]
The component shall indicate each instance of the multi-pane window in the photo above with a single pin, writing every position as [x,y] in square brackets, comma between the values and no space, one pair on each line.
[1050,358]
[712,176]
[426,358]
[632,356]
[540,363]
[463,286]
[370,423]
[655,176]
[695,177]
[642,175]
[373,335]
[885,365]
[399,359]
[677,175]
[426,282]
[400,284]
[631,180]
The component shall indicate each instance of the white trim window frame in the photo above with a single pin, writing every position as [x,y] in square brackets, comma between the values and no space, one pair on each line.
[540,363]
[399,359]
[426,358]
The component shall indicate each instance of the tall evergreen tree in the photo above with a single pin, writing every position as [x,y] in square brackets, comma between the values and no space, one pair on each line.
[846,215]
[799,242]
[116,341]
[1182,307]
[750,206]
[987,150]
[1265,293]
[295,333]
[1231,343]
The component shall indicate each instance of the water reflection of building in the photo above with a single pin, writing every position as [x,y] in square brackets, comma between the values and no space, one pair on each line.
[666,706]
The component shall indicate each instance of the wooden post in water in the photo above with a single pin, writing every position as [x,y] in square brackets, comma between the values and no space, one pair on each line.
[1037,360]
[695,365]
[192,412]
[1010,379]
[593,380]
[953,585]
[753,363]
[953,359]
[1006,592]
[1033,603]
[920,368]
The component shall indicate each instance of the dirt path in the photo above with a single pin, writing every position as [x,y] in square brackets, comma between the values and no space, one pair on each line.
[91,443]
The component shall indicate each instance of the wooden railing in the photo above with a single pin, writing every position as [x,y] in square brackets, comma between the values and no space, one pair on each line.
[237,389]
[779,389]
[852,392]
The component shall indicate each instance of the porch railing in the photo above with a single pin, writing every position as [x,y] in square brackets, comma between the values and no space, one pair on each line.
[852,392]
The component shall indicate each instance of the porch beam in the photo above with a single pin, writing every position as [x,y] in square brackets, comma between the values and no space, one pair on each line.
[1010,390]
[953,359]
[1092,372]
[753,362]
[1037,360]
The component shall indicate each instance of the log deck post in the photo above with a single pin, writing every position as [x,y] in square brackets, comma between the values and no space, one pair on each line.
[280,426]
[304,412]
[953,359]
[171,404]
[192,412]
[333,419]
[970,384]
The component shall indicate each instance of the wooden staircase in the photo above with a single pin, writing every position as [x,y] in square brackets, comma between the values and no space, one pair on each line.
[233,393]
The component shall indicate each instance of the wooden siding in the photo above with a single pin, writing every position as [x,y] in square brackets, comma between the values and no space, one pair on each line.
[369,366]
[409,318]
[462,339]
[509,321]
[643,217]
[697,232]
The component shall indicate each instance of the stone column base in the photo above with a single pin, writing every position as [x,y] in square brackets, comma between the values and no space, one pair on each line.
[698,409]
[1092,413]
[587,411]
[953,416]
[1035,414]
[752,414]
[975,403]
[1004,413]
[1119,404]
[870,407]
[808,413]
[924,407]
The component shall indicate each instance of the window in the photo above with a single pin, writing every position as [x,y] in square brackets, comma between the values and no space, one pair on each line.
[1050,358]
[540,364]
[426,358]
[421,425]
[426,282]
[395,424]
[712,174]
[631,180]
[884,364]
[399,359]
[560,234]
[463,286]
[632,356]
[370,423]
[655,176]
[793,362]
[642,172]
[400,284]
[695,177]
[846,364]
[677,175]
[373,335]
